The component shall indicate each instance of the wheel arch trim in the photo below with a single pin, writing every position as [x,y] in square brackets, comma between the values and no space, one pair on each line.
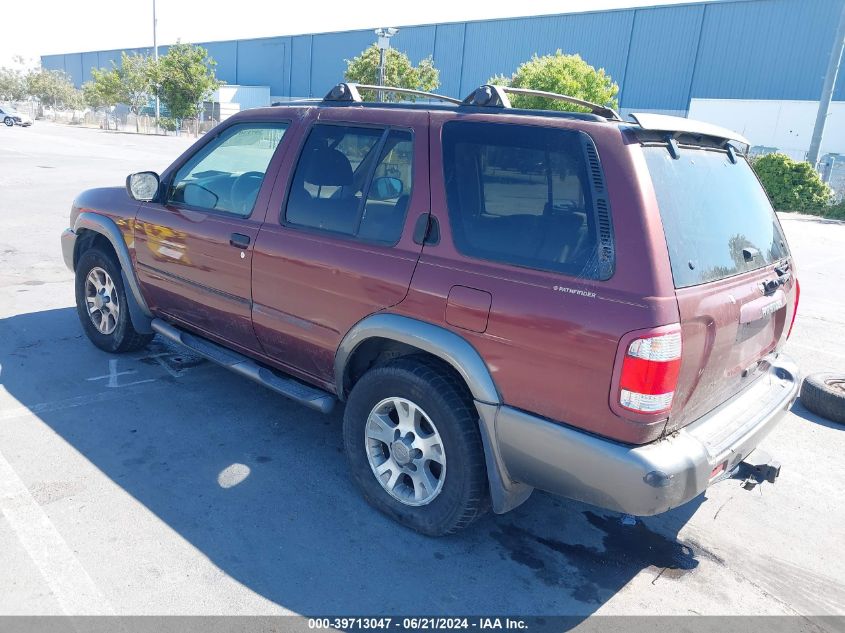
[505,493]
[138,310]
[428,337]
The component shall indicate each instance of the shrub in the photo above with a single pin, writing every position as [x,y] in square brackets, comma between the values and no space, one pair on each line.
[836,211]
[169,124]
[792,185]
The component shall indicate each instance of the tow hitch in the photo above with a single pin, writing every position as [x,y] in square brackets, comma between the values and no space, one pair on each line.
[757,468]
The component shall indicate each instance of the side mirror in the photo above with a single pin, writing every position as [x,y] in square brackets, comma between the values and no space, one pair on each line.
[143,186]
[386,188]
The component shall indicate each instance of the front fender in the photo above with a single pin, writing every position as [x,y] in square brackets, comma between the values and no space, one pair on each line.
[138,310]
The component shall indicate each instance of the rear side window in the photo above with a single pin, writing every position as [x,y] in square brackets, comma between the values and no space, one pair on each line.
[716,217]
[520,195]
[353,181]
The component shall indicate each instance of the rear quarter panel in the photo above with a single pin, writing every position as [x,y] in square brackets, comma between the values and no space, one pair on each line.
[551,339]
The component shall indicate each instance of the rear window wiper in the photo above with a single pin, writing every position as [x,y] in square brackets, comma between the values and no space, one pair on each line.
[771,285]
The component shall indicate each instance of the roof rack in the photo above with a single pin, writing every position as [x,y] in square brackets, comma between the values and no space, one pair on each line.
[497,97]
[347,91]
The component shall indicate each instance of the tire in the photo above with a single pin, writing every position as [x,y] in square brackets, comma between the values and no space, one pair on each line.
[117,335]
[9,121]
[461,494]
[824,394]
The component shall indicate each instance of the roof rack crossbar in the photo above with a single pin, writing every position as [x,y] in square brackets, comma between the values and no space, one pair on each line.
[348,91]
[497,97]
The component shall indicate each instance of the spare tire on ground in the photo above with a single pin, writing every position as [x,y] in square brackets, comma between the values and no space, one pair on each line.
[824,395]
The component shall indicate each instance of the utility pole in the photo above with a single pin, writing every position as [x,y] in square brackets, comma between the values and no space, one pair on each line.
[384,34]
[827,91]
[155,57]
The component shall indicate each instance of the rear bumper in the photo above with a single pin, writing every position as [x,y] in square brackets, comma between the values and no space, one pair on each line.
[653,478]
[68,245]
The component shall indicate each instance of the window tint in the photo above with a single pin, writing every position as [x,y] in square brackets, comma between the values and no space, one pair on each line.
[518,194]
[226,174]
[353,181]
[712,210]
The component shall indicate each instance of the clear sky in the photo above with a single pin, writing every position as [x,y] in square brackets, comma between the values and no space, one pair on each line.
[63,26]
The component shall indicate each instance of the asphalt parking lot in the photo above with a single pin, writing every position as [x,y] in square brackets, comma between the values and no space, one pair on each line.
[155,483]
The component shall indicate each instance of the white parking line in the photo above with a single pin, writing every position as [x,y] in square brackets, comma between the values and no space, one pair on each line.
[68,403]
[73,588]
[113,375]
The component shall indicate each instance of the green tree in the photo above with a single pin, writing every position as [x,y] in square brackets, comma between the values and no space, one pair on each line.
[131,83]
[54,88]
[792,185]
[94,95]
[12,85]
[184,79]
[563,74]
[74,99]
[399,72]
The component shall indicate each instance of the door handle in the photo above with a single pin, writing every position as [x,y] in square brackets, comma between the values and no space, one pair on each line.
[239,240]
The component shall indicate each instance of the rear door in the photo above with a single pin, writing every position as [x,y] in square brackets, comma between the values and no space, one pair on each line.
[732,269]
[338,243]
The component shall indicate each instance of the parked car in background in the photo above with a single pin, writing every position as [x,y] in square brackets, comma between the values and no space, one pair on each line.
[505,299]
[11,117]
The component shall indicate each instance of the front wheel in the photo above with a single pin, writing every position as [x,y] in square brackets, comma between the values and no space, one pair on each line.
[9,121]
[101,304]
[414,448]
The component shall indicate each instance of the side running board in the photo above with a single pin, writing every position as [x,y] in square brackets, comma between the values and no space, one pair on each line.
[297,391]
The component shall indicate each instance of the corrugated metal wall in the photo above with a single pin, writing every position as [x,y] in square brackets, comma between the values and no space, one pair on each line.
[660,56]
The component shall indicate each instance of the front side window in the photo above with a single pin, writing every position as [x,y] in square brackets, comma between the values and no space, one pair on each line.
[353,181]
[226,174]
[519,195]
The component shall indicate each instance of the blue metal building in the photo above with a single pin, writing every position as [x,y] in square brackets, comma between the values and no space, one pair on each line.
[661,57]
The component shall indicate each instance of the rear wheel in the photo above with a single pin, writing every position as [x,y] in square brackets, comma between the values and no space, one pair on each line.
[101,304]
[413,446]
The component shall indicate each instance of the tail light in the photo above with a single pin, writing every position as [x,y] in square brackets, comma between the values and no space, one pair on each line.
[795,307]
[649,374]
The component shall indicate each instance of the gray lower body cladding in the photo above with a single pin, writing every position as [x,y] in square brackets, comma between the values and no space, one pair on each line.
[653,478]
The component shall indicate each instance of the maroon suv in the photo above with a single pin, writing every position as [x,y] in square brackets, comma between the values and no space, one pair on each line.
[505,299]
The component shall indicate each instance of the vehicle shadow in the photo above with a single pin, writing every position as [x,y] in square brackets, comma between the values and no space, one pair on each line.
[259,486]
[802,412]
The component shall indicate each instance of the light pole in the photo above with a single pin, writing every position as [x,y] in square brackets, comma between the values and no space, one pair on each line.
[155,57]
[384,34]
[827,92]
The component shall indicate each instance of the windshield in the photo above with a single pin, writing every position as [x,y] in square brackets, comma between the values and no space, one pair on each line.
[716,217]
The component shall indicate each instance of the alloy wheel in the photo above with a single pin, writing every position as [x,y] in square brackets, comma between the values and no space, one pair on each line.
[101,300]
[405,451]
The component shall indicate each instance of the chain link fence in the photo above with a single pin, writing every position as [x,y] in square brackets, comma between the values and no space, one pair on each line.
[115,120]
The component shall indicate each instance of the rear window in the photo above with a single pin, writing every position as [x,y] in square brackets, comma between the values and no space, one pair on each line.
[716,217]
[519,195]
